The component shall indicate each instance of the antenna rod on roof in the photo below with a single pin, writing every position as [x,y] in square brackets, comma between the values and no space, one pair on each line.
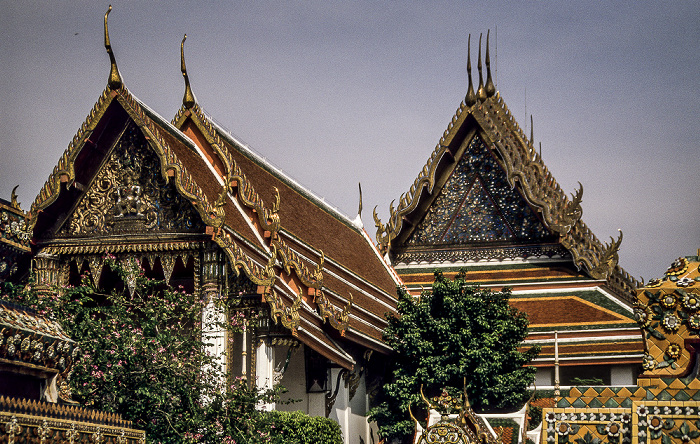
[115,79]
[188,99]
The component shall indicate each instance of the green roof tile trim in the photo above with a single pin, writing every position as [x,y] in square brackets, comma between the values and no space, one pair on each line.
[595,403]
[579,403]
[563,403]
[664,396]
[696,396]
[627,403]
[612,403]
[592,296]
[682,395]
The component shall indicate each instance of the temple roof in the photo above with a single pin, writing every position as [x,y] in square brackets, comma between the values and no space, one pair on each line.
[32,340]
[319,271]
[486,181]
[321,252]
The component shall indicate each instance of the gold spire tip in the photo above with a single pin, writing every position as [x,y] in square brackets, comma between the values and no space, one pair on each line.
[115,79]
[188,99]
[489,87]
[480,92]
[470,99]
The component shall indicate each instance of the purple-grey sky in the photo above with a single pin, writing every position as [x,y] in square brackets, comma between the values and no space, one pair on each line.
[337,93]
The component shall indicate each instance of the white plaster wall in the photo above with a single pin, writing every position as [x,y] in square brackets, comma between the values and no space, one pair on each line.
[358,426]
[544,377]
[341,408]
[623,374]
[294,380]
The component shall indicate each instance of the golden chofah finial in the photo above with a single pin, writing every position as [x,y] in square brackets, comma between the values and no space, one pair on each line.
[359,209]
[13,199]
[470,99]
[188,99]
[490,87]
[481,92]
[115,79]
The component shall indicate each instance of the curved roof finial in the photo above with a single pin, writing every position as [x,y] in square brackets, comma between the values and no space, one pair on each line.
[480,93]
[359,209]
[115,79]
[470,99]
[188,99]
[490,87]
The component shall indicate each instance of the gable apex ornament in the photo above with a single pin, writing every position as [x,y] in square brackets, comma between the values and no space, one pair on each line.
[481,91]
[470,98]
[188,99]
[490,88]
[115,79]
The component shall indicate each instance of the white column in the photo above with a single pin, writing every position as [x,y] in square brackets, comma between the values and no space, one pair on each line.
[214,336]
[264,370]
[341,409]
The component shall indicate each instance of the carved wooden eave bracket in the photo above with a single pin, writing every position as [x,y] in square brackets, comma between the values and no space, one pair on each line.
[268,221]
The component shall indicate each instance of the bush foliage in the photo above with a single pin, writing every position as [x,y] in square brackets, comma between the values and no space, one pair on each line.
[142,354]
[299,428]
[450,333]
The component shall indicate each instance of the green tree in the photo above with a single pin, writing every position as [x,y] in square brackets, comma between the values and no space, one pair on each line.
[142,354]
[452,332]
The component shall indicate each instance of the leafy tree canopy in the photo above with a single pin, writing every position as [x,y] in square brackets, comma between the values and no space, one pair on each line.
[449,333]
[142,354]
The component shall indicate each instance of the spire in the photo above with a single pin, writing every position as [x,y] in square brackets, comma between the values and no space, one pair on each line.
[115,79]
[532,132]
[480,93]
[470,99]
[188,99]
[490,87]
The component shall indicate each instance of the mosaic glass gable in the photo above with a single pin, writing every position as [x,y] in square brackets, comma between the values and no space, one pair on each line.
[478,205]
[129,194]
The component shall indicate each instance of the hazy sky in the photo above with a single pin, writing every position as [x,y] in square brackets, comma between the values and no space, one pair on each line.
[337,93]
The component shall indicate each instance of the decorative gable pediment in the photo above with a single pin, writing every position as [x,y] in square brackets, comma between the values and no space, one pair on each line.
[129,194]
[477,205]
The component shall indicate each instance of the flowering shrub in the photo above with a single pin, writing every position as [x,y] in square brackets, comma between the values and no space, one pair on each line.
[142,355]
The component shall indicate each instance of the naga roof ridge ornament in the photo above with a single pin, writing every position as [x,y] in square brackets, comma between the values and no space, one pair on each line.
[490,88]
[188,100]
[115,79]
[359,209]
[470,98]
[480,92]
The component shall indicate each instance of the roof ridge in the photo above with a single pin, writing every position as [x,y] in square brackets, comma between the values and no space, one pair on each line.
[270,222]
[293,183]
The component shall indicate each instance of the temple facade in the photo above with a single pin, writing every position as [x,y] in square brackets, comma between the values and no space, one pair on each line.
[198,209]
[486,204]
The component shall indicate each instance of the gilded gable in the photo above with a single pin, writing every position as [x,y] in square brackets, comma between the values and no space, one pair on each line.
[129,195]
[477,205]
